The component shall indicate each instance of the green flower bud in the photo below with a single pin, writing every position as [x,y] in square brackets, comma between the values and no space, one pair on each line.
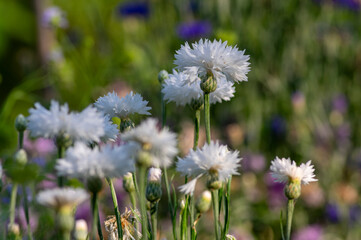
[63,140]
[126,124]
[213,182]
[197,104]
[230,237]
[14,232]
[94,184]
[293,189]
[182,203]
[154,189]
[81,230]
[144,158]
[128,183]
[204,202]
[21,157]
[208,84]
[162,75]
[20,123]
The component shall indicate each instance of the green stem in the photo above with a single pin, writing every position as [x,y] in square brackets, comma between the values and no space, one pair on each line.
[100,233]
[290,208]
[116,208]
[153,214]
[184,221]
[14,191]
[194,231]
[227,208]
[94,216]
[191,201]
[142,200]
[215,212]
[133,200]
[21,139]
[207,117]
[164,113]
[170,205]
[26,211]
[197,120]
[60,155]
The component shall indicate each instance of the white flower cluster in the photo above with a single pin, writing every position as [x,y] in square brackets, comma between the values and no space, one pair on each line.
[114,106]
[57,198]
[283,170]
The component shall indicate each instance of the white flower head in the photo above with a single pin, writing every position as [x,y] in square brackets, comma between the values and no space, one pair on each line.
[283,170]
[86,126]
[154,175]
[178,89]
[212,158]
[57,198]
[114,106]
[82,162]
[161,144]
[110,130]
[216,58]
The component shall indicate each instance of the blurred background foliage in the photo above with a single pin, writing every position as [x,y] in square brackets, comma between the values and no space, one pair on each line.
[302,99]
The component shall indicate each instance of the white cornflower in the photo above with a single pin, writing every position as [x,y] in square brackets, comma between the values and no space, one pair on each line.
[283,170]
[110,130]
[86,126]
[178,89]
[114,106]
[57,198]
[160,144]
[212,160]
[216,58]
[82,162]
[154,175]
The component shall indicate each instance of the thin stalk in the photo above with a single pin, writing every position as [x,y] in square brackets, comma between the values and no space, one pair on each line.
[21,139]
[135,182]
[60,155]
[26,211]
[133,200]
[164,113]
[290,208]
[142,201]
[197,120]
[184,221]
[94,216]
[153,214]
[100,233]
[215,212]
[207,117]
[191,213]
[14,191]
[227,207]
[116,208]
[194,231]
[170,205]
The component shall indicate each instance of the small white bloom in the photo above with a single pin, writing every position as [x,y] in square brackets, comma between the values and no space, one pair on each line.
[282,170]
[215,57]
[54,17]
[110,130]
[82,162]
[114,106]
[211,158]
[178,89]
[86,126]
[161,144]
[57,198]
[154,175]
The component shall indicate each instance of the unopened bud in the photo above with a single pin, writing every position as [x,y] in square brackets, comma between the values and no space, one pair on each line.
[21,157]
[213,182]
[63,140]
[14,232]
[204,202]
[196,104]
[128,183]
[208,84]
[20,123]
[144,158]
[154,189]
[94,184]
[293,189]
[230,237]
[126,124]
[162,75]
[81,230]
[65,219]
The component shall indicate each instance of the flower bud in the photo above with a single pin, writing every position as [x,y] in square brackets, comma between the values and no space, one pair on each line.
[213,182]
[21,157]
[182,203]
[293,189]
[63,140]
[154,189]
[230,237]
[162,75]
[128,183]
[65,219]
[126,124]
[20,123]
[204,202]
[208,84]
[94,184]
[81,230]
[14,231]
[144,158]
[197,104]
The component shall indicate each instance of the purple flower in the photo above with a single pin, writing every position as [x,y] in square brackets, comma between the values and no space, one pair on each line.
[313,232]
[21,219]
[54,17]
[339,103]
[275,192]
[354,213]
[278,127]
[194,30]
[128,9]
[254,162]
[332,213]
[350,4]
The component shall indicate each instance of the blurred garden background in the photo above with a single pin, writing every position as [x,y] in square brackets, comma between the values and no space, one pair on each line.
[302,99]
